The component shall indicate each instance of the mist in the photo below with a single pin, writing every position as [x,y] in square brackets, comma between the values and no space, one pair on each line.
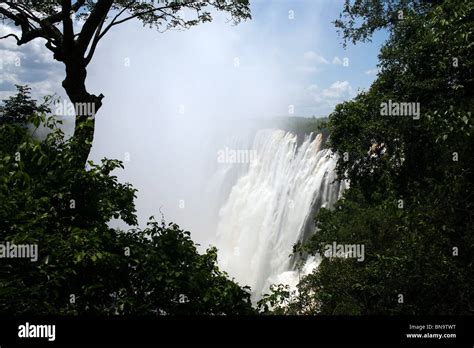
[173,99]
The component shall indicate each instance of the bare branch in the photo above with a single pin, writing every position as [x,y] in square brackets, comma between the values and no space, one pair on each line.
[21,11]
[99,35]
[29,32]
[13,35]
[17,19]
[115,18]
[138,14]
[95,41]
[92,23]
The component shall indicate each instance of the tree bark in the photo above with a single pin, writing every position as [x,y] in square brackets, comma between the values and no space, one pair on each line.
[86,106]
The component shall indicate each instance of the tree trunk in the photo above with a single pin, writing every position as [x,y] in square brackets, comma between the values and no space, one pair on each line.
[86,106]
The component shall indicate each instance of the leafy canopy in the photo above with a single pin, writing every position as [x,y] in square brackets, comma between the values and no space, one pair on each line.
[412,207]
[84,266]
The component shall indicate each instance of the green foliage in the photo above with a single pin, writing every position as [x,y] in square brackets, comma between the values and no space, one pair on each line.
[277,301]
[17,108]
[304,126]
[84,266]
[411,207]
[146,12]
[360,18]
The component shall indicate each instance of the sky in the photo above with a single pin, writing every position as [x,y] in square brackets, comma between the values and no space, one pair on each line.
[169,96]
[287,60]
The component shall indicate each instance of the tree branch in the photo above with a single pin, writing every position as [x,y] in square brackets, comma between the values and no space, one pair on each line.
[115,18]
[99,35]
[68,31]
[57,17]
[22,11]
[151,11]
[17,19]
[95,41]
[29,32]
[13,35]
[90,26]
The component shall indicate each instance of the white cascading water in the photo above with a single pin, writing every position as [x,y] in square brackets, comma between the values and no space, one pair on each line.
[271,206]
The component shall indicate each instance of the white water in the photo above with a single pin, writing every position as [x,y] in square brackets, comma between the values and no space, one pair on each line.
[271,206]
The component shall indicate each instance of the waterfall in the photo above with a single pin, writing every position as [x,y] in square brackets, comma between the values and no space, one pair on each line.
[271,206]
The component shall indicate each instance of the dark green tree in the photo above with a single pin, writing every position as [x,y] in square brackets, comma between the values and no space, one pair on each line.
[412,206]
[83,265]
[20,106]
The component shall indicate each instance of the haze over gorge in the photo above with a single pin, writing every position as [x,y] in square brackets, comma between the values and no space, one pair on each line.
[249,189]
[202,171]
